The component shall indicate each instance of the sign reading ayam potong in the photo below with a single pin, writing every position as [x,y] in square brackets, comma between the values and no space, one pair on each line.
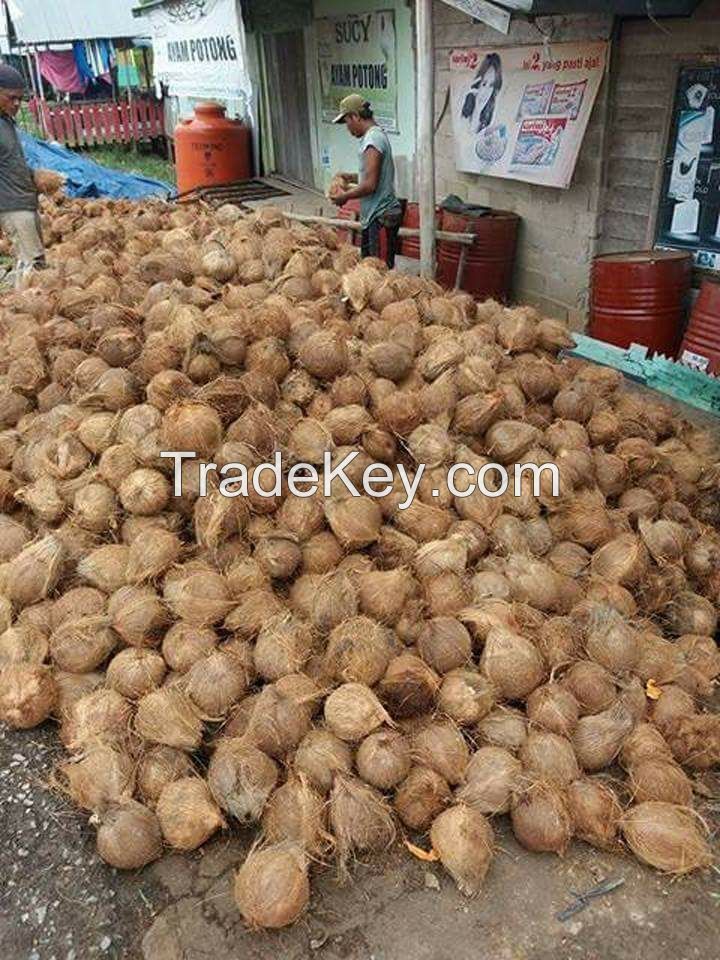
[356,54]
[199,48]
[522,112]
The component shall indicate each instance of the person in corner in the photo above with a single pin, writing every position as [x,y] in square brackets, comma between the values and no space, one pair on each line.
[379,206]
[19,217]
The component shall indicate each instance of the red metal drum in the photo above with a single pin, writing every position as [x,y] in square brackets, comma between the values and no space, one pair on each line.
[210,149]
[702,336]
[491,258]
[640,297]
[410,246]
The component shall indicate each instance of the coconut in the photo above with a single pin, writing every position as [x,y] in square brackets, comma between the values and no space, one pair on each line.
[101,776]
[105,567]
[198,595]
[28,694]
[695,740]
[277,723]
[187,814]
[215,682]
[184,644]
[191,427]
[643,743]
[150,557]
[352,711]
[358,650]
[490,778]
[701,653]
[598,739]
[511,663]
[332,602]
[554,708]
[508,440]
[80,645]
[249,615]
[241,779]
[159,766]
[465,696]
[549,757]
[129,836]
[13,537]
[445,644]
[440,746]
[135,672]
[324,355]
[279,556]
[610,641]
[673,704]
[595,812]
[591,685]
[144,492]
[35,571]
[360,818]
[137,615]
[355,521]
[440,556]
[272,888]
[420,797]
[409,686]
[295,812]
[320,755]
[463,840]
[689,613]
[540,818]
[666,836]
[504,728]
[282,647]
[655,778]
[23,643]
[400,412]
[383,594]
[168,716]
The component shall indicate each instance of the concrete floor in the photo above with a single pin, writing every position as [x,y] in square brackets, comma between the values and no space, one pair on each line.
[58,901]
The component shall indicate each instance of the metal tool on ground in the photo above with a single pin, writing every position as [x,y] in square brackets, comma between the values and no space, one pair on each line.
[584,899]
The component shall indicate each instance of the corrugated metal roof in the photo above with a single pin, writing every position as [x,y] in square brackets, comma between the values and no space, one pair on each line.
[54,21]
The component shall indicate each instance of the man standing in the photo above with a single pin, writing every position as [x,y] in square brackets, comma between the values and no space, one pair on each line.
[379,207]
[19,217]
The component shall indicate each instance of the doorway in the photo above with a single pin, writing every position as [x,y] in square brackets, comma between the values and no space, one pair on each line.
[287,104]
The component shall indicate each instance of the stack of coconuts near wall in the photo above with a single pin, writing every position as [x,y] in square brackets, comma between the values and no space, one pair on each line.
[340,673]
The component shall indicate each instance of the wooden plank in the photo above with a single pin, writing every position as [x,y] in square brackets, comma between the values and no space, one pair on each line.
[134,120]
[111,119]
[98,127]
[142,119]
[124,122]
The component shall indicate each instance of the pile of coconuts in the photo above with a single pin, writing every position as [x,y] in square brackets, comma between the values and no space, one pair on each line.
[340,673]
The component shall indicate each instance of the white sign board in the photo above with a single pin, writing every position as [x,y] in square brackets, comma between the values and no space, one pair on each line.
[199,49]
[522,112]
[483,10]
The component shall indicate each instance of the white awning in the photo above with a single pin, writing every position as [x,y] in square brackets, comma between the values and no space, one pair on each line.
[55,21]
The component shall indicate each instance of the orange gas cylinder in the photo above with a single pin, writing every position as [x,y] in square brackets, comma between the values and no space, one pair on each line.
[210,149]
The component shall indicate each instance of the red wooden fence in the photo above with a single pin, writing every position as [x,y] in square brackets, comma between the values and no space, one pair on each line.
[99,121]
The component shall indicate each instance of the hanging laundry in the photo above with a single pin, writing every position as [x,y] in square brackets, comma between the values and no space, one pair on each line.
[82,62]
[59,68]
[127,71]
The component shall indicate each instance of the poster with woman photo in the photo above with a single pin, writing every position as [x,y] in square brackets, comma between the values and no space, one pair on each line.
[522,112]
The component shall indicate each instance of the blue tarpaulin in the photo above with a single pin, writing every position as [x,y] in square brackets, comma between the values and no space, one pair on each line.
[85,178]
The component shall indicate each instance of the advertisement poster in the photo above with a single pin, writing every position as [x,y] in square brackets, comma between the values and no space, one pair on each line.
[356,54]
[199,49]
[522,112]
[689,211]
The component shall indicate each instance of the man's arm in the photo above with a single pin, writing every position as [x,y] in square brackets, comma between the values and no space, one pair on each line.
[370,180]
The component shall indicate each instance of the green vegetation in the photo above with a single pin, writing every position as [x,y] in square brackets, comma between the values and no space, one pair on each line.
[129,158]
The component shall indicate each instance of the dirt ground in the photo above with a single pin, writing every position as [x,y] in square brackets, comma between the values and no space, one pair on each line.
[58,901]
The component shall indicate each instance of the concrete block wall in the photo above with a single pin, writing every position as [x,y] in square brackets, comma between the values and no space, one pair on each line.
[560,228]
[644,73]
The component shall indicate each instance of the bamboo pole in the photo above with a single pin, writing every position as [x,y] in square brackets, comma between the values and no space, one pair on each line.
[465,239]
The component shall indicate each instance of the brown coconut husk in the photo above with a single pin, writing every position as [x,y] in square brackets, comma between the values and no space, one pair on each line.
[296,812]
[409,686]
[168,716]
[320,754]
[655,778]
[667,837]
[595,813]
[466,696]
[541,819]
[187,813]
[463,840]
[503,727]
[359,817]
[598,738]
[695,740]
[358,650]
[592,686]
[511,663]
[241,779]
[554,708]
[99,777]
[420,797]
[490,778]
[272,888]
[352,711]
[440,746]
[645,742]
[158,766]
[549,757]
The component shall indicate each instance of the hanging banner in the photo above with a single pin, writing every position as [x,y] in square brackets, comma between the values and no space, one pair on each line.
[199,49]
[522,112]
[356,54]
